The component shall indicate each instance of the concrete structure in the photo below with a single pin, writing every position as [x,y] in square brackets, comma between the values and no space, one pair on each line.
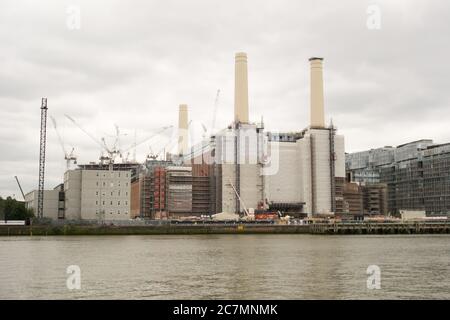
[360,199]
[179,191]
[300,172]
[317,109]
[135,198]
[374,199]
[311,168]
[239,166]
[241,88]
[183,129]
[353,200]
[149,191]
[310,171]
[53,205]
[97,194]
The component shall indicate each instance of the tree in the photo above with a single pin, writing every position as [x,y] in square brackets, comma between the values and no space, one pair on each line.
[12,209]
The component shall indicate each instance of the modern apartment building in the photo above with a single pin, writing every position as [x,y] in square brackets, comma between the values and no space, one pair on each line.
[417,175]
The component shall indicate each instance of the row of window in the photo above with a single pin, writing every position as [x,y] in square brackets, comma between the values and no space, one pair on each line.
[112,174]
[111,212]
[112,193]
[111,184]
[125,203]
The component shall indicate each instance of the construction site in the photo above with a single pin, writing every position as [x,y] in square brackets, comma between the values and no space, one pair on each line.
[245,172]
[238,171]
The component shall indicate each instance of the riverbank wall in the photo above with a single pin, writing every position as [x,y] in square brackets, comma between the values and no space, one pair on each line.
[237,228]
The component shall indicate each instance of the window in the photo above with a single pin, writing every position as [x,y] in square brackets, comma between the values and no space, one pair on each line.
[111,202]
[126,203]
[118,211]
[97,183]
[118,203]
[96,202]
[118,193]
[97,174]
[104,184]
[103,202]
[111,193]
[96,193]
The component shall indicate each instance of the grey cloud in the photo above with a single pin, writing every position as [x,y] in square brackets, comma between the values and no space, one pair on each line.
[132,63]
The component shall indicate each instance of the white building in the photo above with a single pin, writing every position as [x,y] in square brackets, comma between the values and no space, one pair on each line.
[310,170]
[302,171]
[97,194]
[311,163]
[239,158]
[53,206]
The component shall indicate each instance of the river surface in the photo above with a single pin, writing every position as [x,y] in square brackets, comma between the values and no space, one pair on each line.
[226,267]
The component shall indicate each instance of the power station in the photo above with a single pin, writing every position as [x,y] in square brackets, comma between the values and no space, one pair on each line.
[298,172]
[243,170]
[239,170]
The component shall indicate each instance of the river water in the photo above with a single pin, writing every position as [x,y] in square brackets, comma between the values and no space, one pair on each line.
[226,267]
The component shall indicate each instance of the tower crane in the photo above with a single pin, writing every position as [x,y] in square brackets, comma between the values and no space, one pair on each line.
[170,143]
[42,144]
[134,145]
[115,151]
[112,153]
[67,156]
[116,145]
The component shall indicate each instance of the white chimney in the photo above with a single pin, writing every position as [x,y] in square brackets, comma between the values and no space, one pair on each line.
[317,111]
[183,129]
[241,88]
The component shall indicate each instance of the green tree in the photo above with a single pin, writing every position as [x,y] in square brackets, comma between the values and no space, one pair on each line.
[12,209]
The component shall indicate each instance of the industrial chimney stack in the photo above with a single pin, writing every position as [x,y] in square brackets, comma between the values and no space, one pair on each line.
[183,129]
[241,88]
[317,112]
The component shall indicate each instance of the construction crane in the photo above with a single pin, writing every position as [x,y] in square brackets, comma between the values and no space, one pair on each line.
[216,105]
[170,143]
[112,153]
[134,145]
[20,187]
[240,200]
[213,122]
[42,142]
[116,145]
[67,156]
[152,155]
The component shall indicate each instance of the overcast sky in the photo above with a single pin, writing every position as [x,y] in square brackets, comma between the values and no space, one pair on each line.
[131,63]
